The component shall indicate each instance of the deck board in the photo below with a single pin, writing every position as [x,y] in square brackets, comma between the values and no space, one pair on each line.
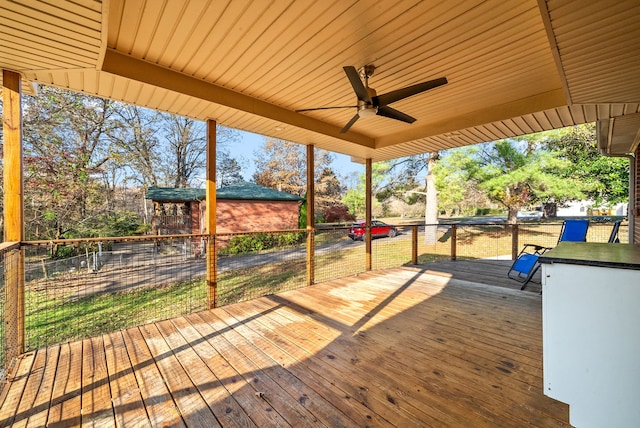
[14,390]
[96,396]
[128,407]
[155,394]
[29,399]
[414,346]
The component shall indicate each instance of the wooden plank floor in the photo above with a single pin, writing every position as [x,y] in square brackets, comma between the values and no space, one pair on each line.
[398,347]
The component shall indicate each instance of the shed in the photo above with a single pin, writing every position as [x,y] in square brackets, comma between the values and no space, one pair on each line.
[242,207]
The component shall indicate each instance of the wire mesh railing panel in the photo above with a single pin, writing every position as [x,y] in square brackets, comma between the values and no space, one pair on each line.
[434,248]
[623,233]
[109,287]
[483,241]
[251,265]
[337,255]
[3,337]
[543,234]
[392,251]
[600,232]
[9,343]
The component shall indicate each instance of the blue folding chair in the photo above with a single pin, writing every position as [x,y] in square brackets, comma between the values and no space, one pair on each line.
[526,264]
[574,231]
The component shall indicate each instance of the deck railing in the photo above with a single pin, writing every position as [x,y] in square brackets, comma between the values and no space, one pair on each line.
[108,284]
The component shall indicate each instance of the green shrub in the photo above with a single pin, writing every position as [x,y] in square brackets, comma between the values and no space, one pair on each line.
[488,211]
[244,244]
[63,252]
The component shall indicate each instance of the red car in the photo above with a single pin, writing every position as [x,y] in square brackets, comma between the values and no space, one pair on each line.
[378,230]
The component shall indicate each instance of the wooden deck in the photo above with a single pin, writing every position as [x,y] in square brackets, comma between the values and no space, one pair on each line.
[398,347]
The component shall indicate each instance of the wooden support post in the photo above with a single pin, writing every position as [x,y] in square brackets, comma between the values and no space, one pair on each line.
[368,205]
[454,241]
[414,245]
[210,217]
[310,215]
[514,241]
[12,161]
[13,214]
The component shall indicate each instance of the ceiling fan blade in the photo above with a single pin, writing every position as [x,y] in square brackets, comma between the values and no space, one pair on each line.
[399,94]
[392,113]
[323,108]
[351,122]
[356,83]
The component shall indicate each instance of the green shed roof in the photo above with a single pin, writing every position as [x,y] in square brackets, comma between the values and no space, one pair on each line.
[170,194]
[248,191]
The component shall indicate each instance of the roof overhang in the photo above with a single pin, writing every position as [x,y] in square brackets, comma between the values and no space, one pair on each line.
[619,135]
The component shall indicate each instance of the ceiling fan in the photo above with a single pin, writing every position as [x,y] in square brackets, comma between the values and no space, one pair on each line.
[372,104]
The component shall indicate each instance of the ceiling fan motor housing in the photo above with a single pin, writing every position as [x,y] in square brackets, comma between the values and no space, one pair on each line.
[366,109]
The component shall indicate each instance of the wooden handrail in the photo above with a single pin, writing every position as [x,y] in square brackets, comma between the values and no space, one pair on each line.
[8,246]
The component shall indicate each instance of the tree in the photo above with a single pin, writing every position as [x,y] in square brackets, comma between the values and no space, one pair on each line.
[328,191]
[136,143]
[456,181]
[354,200]
[228,170]
[354,197]
[402,183]
[187,148]
[431,210]
[174,158]
[282,165]
[605,179]
[515,174]
[66,139]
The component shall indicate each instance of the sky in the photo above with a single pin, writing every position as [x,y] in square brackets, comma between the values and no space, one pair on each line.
[250,143]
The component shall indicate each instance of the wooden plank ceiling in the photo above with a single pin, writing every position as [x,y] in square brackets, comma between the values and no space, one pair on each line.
[513,67]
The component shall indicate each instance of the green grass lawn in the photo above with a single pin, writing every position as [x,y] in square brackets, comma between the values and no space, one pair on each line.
[51,320]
